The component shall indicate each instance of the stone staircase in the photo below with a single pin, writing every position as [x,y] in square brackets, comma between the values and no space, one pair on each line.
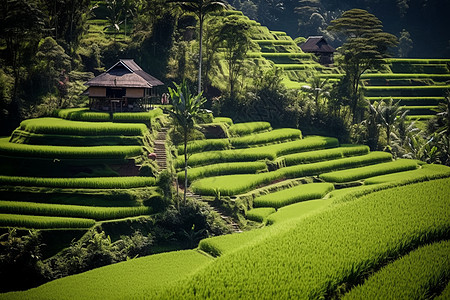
[160,148]
[231,223]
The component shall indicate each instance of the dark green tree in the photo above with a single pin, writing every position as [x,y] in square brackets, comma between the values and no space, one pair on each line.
[186,107]
[235,37]
[201,8]
[405,44]
[365,46]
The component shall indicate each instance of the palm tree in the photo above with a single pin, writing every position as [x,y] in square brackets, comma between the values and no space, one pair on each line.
[201,8]
[186,107]
[389,111]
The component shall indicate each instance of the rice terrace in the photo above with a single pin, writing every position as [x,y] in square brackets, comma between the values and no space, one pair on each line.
[224,149]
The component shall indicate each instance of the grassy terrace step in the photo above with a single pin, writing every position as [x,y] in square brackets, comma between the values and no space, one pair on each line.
[426,172]
[239,129]
[76,211]
[298,210]
[258,153]
[438,77]
[25,137]
[273,136]
[296,194]
[237,184]
[41,222]
[290,67]
[415,275]
[223,169]
[93,183]
[370,171]
[62,126]
[132,279]
[326,154]
[226,120]
[259,214]
[410,100]
[204,145]
[59,152]
[380,91]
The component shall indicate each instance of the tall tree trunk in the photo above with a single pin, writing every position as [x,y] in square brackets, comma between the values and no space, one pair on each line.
[200,55]
[185,165]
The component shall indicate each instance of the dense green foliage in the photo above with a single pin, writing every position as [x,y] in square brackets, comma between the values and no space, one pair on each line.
[248,128]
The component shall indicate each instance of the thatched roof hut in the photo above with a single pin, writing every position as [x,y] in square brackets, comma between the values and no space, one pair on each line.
[320,47]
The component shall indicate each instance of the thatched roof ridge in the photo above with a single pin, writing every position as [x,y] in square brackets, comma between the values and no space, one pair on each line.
[125,73]
[316,44]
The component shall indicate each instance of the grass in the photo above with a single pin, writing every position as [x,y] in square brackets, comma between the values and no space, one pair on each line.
[58,210]
[259,214]
[226,120]
[426,172]
[326,154]
[240,129]
[59,152]
[223,169]
[258,153]
[204,145]
[237,184]
[293,195]
[41,222]
[277,135]
[88,183]
[62,126]
[132,279]
[370,171]
[417,275]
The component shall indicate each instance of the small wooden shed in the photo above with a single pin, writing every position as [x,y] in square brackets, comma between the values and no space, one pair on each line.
[123,87]
[320,47]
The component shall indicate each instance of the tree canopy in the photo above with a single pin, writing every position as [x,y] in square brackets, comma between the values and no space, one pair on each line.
[365,46]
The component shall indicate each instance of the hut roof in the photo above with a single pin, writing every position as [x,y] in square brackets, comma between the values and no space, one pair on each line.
[125,73]
[316,44]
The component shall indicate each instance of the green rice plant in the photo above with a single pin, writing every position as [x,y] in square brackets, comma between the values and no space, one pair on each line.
[40,222]
[24,137]
[61,126]
[405,76]
[420,117]
[137,117]
[82,114]
[432,90]
[298,210]
[290,67]
[258,153]
[223,169]
[352,239]
[326,154]
[59,152]
[274,42]
[204,145]
[426,172]
[445,293]
[414,276]
[132,279]
[237,184]
[370,171]
[418,60]
[259,214]
[58,210]
[226,120]
[88,183]
[317,168]
[296,194]
[229,185]
[277,135]
[239,129]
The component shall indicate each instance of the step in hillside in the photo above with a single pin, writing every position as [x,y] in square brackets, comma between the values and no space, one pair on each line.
[160,148]
[229,220]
